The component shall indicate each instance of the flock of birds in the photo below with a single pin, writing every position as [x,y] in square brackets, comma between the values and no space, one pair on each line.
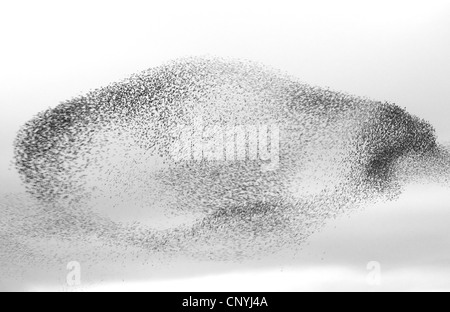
[99,172]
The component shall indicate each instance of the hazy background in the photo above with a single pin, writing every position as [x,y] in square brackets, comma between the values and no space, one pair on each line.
[396,51]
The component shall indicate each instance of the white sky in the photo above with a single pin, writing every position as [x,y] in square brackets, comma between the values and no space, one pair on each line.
[388,50]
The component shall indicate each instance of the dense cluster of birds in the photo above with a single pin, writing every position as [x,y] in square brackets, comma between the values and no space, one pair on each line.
[100,166]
